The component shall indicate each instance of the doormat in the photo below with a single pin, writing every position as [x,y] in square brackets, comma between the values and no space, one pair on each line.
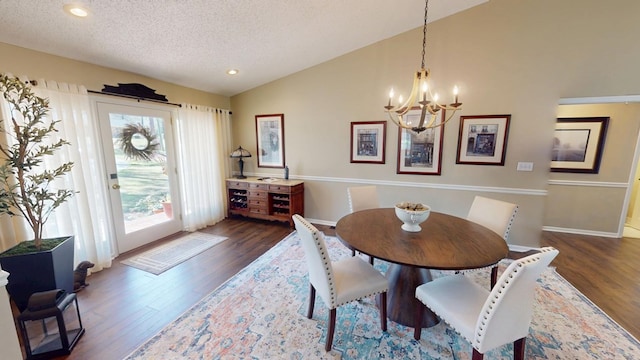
[164,257]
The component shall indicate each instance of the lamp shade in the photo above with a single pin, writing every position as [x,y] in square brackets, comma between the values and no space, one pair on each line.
[240,153]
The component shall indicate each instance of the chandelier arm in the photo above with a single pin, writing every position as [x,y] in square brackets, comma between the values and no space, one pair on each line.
[423,113]
[399,123]
[450,107]
[450,116]
[430,125]
[444,122]
[402,110]
[415,92]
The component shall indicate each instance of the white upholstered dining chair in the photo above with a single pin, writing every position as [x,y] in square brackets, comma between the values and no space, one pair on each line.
[488,319]
[363,198]
[495,215]
[340,282]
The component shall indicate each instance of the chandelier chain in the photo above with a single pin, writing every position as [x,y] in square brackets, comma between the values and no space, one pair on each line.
[424,33]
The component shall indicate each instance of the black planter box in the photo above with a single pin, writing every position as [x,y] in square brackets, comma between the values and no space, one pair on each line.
[36,272]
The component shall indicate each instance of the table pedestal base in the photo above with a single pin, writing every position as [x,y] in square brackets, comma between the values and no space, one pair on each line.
[401,297]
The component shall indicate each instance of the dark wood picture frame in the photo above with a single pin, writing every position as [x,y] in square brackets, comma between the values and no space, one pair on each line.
[420,154]
[270,140]
[482,139]
[368,142]
[578,144]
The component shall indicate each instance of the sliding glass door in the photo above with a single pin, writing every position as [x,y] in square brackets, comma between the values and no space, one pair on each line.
[138,148]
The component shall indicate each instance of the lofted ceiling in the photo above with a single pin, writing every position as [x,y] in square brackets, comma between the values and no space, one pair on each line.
[194,42]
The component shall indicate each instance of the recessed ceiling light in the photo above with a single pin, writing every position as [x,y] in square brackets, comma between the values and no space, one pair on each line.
[76,10]
[232,71]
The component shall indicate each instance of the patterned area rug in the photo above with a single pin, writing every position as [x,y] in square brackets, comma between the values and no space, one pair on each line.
[164,257]
[260,313]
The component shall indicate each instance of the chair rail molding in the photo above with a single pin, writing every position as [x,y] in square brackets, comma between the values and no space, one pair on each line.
[588,183]
[490,189]
[600,100]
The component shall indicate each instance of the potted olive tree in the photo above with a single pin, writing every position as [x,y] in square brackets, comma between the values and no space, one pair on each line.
[27,189]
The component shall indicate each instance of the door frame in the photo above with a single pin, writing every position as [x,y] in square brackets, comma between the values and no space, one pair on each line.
[636,156]
[172,165]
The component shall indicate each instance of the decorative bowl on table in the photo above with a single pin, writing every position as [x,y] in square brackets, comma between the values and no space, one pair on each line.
[412,215]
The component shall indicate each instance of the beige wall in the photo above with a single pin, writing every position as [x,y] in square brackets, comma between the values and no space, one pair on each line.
[37,65]
[508,57]
[595,202]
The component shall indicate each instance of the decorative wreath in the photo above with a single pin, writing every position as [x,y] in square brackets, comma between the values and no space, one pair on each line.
[147,153]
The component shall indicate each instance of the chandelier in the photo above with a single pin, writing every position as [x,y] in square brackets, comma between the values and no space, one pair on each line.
[421,97]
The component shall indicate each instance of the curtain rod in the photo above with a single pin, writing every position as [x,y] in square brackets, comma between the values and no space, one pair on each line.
[133,97]
[35,83]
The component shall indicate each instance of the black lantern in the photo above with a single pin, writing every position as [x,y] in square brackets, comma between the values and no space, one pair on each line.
[51,324]
[240,153]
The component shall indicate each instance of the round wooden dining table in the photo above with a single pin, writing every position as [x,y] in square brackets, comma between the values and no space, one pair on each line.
[445,242]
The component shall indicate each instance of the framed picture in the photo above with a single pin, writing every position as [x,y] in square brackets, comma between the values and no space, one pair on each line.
[421,153]
[483,139]
[270,140]
[368,142]
[578,144]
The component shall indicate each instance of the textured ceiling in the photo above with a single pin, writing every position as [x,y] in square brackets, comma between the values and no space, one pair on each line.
[194,42]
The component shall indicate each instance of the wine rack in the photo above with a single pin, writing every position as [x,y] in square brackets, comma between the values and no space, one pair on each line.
[277,199]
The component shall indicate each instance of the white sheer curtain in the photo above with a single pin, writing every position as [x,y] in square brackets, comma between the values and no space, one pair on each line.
[203,135]
[86,215]
[12,229]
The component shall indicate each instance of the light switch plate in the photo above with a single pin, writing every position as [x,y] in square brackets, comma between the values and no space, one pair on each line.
[525,166]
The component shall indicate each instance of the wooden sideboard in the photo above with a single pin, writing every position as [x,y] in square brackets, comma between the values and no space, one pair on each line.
[275,199]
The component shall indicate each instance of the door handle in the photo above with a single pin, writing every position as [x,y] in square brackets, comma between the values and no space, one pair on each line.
[115,186]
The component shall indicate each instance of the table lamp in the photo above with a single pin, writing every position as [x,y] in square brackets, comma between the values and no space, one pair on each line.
[240,153]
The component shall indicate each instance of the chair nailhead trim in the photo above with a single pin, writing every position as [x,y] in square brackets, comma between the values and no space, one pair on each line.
[479,335]
[327,263]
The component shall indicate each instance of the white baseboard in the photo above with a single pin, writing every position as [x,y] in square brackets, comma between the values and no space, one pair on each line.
[521,248]
[321,222]
[581,232]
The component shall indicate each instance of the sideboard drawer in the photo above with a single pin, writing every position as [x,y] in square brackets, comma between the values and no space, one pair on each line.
[257,194]
[260,211]
[258,203]
[258,186]
[283,189]
[237,184]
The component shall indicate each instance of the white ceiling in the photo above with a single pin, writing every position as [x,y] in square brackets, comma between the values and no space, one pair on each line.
[194,42]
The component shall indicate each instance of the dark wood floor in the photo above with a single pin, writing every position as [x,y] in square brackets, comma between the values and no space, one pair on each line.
[124,306]
[605,270]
